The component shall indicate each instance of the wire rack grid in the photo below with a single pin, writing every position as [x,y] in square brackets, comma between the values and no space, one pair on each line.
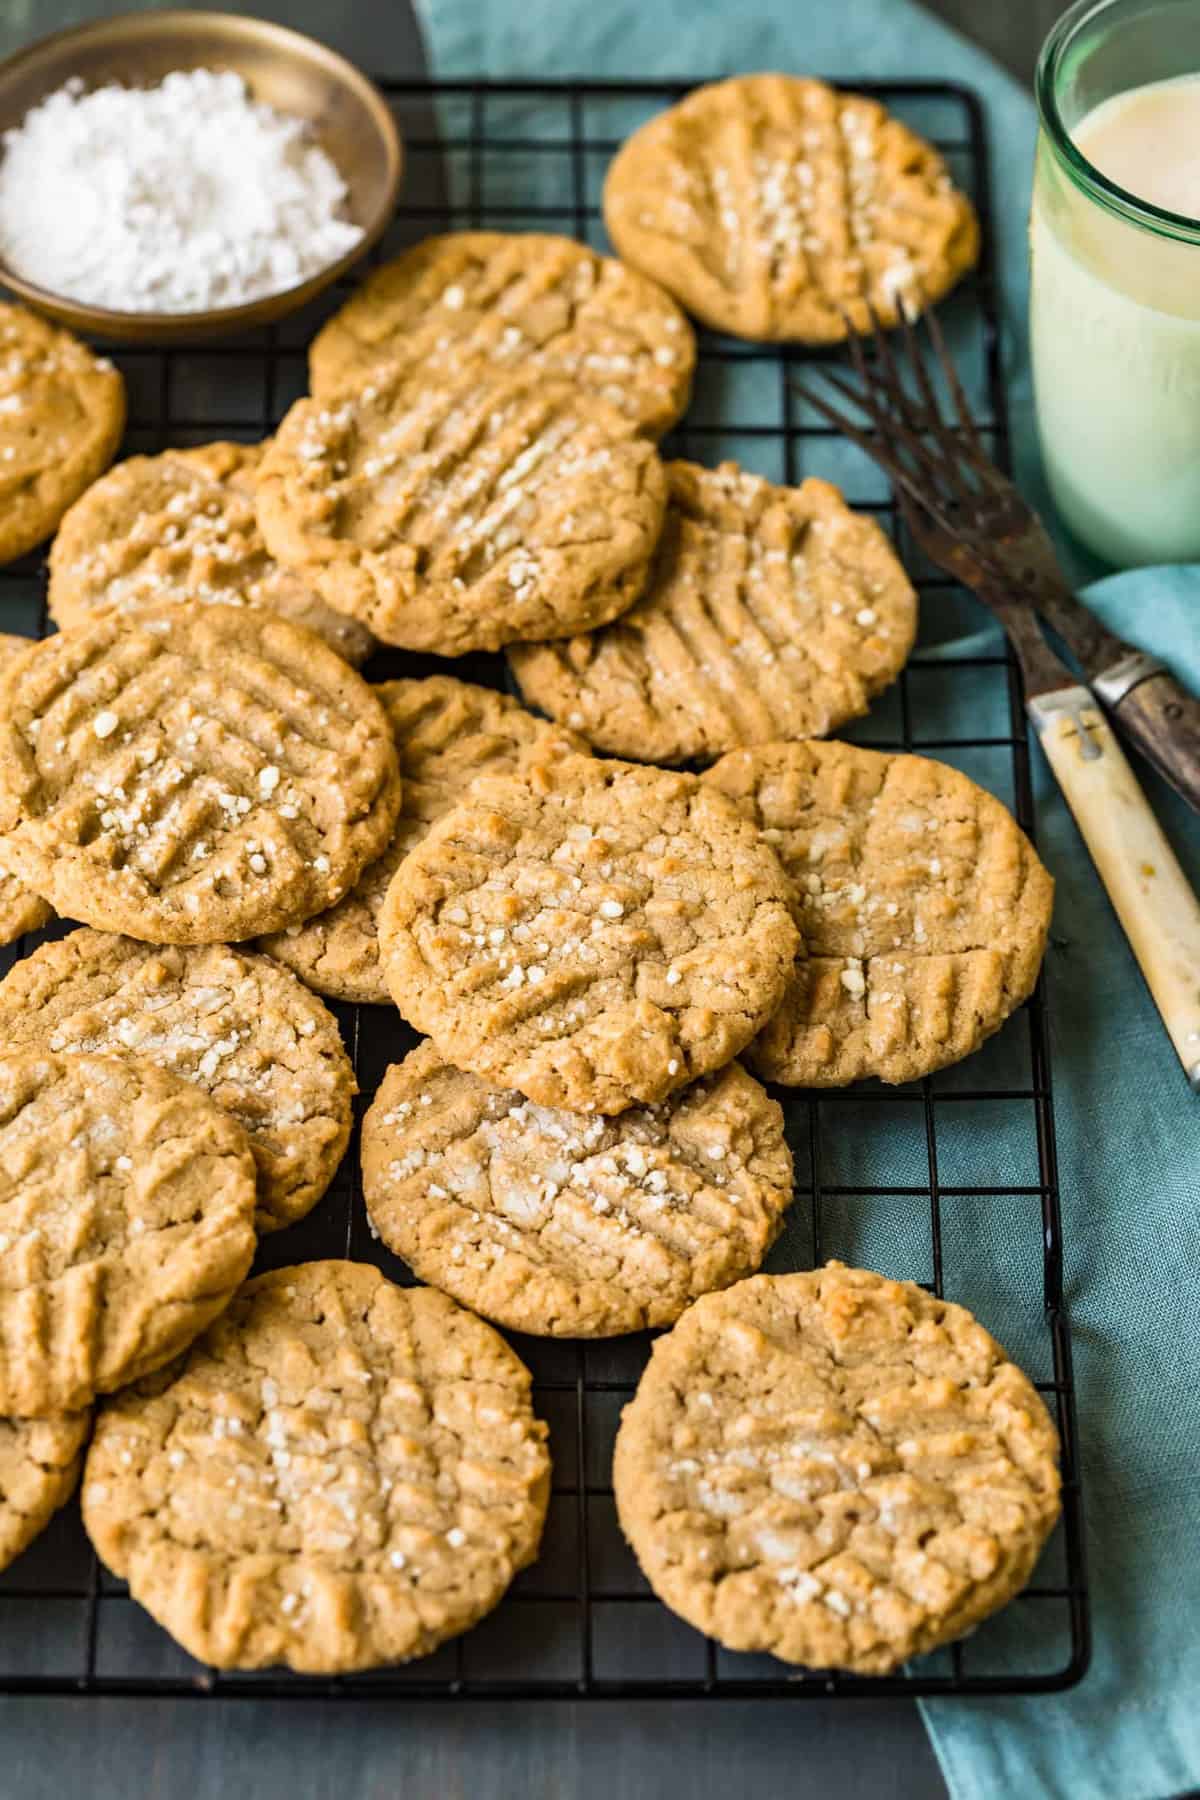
[951,1181]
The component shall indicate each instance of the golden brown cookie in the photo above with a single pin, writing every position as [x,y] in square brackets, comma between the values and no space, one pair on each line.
[596,934]
[922,904]
[769,612]
[467,511]
[20,911]
[839,1469]
[238,1026]
[62,412]
[12,646]
[126,1222]
[517,298]
[40,1460]
[191,776]
[179,528]
[569,1224]
[447,733]
[342,1473]
[773,207]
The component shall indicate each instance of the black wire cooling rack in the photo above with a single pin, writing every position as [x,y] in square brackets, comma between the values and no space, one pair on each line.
[970,1203]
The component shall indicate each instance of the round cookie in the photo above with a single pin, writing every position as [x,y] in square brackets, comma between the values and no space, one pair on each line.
[40,1461]
[192,776]
[769,612]
[774,207]
[126,1222]
[517,298]
[467,512]
[235,1025]
[447,733]
[62,412]
[342,1473]
[836,1468]
[20,911]
[596,934]
[569,1224]
[180,528]
[923,907]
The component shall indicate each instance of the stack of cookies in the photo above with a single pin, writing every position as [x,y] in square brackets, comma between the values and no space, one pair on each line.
[323,1468]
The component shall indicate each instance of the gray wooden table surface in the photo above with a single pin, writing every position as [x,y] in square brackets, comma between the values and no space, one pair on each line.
[184,1750]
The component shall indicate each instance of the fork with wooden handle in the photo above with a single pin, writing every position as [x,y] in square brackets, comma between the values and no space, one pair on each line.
[969,519]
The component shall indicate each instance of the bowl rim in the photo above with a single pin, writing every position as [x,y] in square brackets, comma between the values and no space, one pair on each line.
[105,320]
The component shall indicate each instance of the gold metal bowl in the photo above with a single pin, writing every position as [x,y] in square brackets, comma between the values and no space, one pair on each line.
[349,118]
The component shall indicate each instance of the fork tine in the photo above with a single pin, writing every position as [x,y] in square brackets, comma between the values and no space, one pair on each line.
[857,354]
[961,447]
[884,372]
[946,362]
[920,499]
[879,449]
[937,448]
[915,357]
[886,424]
[942,450]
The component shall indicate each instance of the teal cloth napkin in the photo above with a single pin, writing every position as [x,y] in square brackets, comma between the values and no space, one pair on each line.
[1129,1133]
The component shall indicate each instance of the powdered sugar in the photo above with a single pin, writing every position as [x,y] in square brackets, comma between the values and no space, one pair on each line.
[176,198]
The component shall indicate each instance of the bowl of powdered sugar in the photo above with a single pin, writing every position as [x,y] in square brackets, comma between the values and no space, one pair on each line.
[174,175]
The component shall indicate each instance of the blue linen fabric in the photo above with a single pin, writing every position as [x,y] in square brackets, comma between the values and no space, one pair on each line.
[1129,1132]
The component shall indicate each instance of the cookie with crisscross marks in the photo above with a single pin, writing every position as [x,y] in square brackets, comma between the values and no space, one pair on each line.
[126,1222]
[596,934]
[517,298]
[923,905]
[448,732]
[775,207]
[236,1025]
[839,1469]
[179,529]
[569,1224]
[40,1460]
[191,776]
[769,612]
[465,512]
[342,1473]
[62,412]
[20,911]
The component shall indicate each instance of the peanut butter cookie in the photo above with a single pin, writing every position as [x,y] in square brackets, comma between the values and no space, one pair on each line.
[62,412]
[20,911]
[839,1469]
[769,612]
[517,298]
[12,646]
[596,934]
[447,733]
[40,1460]
[467,511]
[342,1473]
[126,1222]
[191,776]
[569,1224]
[176,529]
[774,207]
[923,907]
[238,1026]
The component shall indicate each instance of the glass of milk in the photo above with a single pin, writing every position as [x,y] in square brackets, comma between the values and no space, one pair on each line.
[1115,296]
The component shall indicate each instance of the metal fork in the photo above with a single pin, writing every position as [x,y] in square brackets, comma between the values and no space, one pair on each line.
[969,519]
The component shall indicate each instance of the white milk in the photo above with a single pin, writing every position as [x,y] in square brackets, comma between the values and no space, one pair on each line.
[1115,328]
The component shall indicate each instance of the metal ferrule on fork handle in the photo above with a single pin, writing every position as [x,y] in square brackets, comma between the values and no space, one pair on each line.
[1120,678]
